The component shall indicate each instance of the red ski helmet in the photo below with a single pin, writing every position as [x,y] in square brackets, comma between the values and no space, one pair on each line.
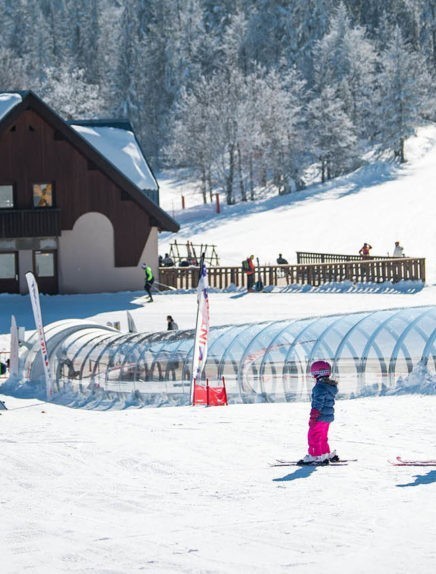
[320,369]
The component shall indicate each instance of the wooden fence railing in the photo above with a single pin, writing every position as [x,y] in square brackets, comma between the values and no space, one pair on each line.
[310,257]
[359,271]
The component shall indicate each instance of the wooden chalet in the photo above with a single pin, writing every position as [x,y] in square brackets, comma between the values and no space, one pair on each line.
[79,205]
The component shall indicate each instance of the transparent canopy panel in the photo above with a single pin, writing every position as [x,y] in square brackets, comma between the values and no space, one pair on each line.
[267,361]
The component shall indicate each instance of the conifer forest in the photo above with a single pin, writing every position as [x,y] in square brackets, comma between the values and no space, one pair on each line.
[246,94]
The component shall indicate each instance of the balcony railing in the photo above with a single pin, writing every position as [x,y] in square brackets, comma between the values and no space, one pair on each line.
[30,222]
[310,257]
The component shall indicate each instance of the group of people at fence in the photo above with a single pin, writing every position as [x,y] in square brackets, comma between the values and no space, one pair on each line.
[365,250]
[167,261]
[249,267]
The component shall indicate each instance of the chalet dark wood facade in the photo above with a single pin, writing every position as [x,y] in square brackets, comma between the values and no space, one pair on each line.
[50,178]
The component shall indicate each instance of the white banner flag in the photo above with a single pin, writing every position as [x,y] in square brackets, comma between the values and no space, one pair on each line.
[131,323]
[202,327]
[13,357]
[34,298]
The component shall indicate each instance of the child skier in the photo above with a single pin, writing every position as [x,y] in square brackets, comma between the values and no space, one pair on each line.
[321,415]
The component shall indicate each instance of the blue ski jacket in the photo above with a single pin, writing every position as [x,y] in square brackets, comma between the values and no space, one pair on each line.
[323,398]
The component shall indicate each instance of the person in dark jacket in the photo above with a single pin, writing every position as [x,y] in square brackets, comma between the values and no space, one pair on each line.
[321,415]
[171,324]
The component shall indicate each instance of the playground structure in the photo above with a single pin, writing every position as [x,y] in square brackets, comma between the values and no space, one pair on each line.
[191,253]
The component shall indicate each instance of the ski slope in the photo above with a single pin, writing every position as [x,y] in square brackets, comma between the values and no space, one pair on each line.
[379,204]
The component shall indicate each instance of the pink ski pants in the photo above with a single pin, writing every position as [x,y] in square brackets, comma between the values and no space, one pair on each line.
[318,438]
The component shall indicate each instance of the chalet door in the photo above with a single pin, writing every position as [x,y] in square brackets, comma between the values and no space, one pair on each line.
[9,282]
[46,271]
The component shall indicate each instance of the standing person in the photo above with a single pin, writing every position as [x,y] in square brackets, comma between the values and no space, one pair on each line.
[149,280]
[249,270]
[171,324]
[365,250]
[398,250]
[282,261]
[321,415]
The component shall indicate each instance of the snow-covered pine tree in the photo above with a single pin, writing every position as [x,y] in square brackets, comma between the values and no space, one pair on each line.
[332,134]
[346,60]
[67,92]
[404,88]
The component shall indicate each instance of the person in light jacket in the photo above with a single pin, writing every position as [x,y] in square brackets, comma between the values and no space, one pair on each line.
[398,250]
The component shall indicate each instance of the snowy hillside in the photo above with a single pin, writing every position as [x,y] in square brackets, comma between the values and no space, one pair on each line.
[379,204]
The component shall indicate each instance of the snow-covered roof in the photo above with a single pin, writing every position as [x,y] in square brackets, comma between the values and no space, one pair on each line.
[117,143]
[7,102]
[120,147]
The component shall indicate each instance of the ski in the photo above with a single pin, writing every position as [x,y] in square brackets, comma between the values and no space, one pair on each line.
[401,462]
[408,461]
[279,462]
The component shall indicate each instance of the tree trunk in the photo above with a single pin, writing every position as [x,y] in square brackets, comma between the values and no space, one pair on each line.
[209,184]
[241,178]
[231,174]
[203,184]
[402,156]
[251,178]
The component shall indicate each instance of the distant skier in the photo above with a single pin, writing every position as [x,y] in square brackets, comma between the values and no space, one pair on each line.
[321,415]
[149,280]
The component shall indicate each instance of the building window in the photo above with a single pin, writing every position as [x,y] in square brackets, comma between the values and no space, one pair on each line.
[6,196]
[7,266]
[42,195]
[44,264]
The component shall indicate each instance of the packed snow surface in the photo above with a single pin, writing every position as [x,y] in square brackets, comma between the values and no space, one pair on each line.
[190,490]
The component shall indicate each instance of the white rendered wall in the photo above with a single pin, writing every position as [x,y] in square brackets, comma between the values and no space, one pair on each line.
[86,258]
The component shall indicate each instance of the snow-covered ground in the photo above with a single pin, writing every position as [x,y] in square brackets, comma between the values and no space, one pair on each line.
[190,490]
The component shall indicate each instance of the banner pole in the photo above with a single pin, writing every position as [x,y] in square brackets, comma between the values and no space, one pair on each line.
[14,349]
[197,368]
[36,307]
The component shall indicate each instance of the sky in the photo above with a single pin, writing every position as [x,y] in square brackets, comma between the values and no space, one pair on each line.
[191,489]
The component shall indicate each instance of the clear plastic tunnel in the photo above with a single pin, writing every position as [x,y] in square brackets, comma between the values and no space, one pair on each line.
[268,361]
